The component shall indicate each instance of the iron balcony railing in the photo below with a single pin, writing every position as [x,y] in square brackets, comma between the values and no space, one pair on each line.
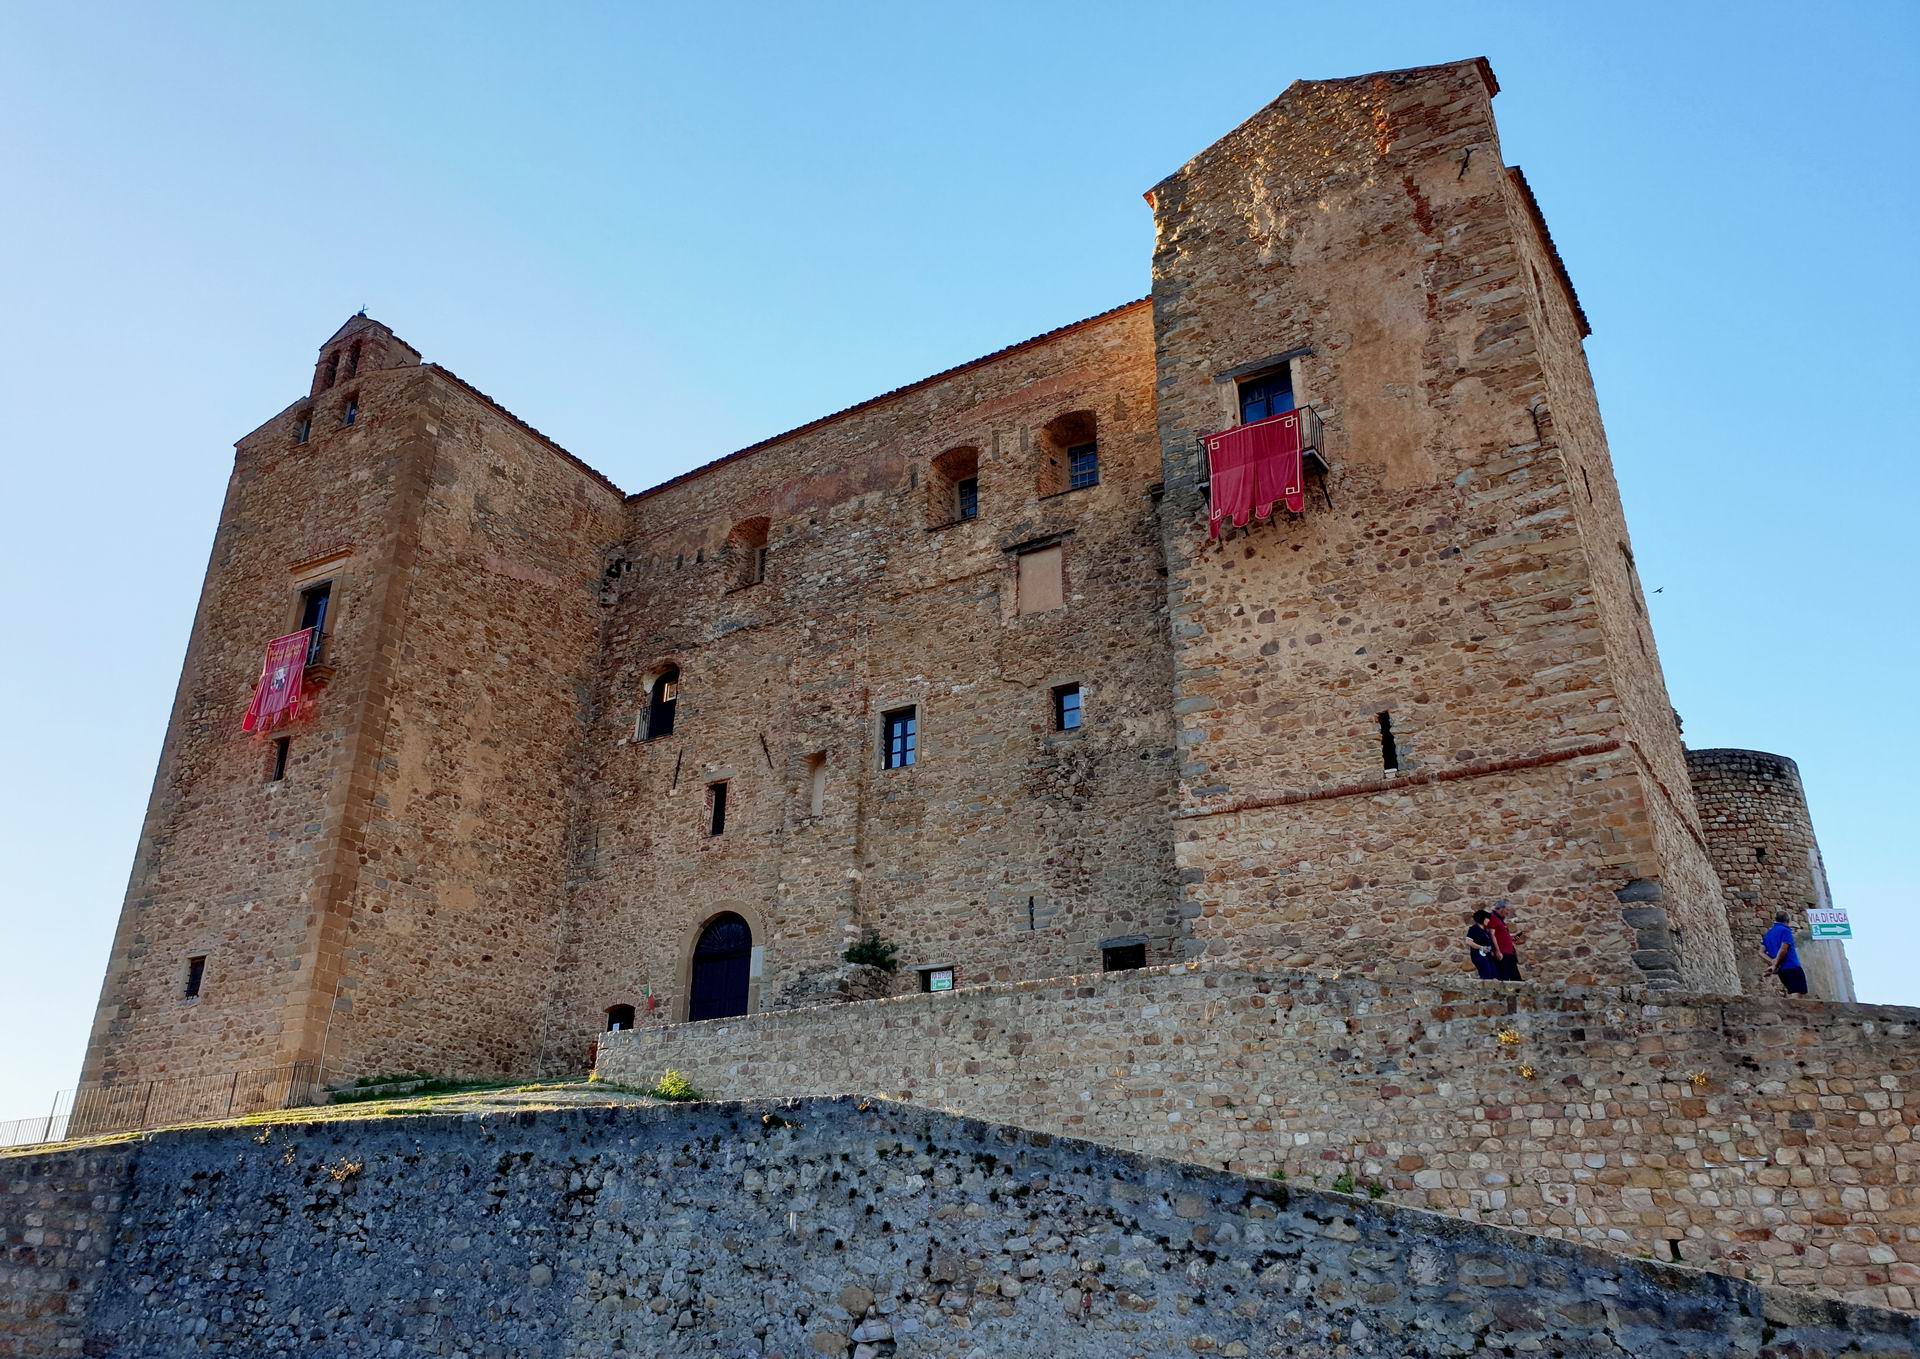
[1313,443]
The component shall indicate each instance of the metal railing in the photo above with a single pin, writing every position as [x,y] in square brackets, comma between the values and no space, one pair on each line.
[130,1106]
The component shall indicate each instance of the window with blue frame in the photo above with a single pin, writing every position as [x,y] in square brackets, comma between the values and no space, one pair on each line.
[967,493]
[899,738]
[1267,395]
[1083,466]
[1066,708]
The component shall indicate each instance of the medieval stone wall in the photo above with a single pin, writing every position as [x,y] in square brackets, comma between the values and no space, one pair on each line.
[1765,1139]
[1363,228]
[1009,847]
[1761,834]
[806,1228]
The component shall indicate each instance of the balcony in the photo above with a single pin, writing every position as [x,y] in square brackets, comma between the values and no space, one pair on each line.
[1313,456]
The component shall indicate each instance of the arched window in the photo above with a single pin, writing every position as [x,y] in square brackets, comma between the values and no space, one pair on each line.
[747,552]
[353,360]
[953,487]
[663,695]
[721,973]
[1069,453]
[619,1018]
[332,371]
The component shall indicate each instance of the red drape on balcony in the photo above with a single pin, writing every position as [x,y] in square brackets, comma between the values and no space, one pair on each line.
[1253,468]
[278,697]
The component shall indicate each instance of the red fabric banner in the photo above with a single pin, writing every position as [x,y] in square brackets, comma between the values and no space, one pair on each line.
[278,698]
[1253,468]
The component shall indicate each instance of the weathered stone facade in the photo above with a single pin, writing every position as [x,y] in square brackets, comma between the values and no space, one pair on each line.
[801,1229]
[483,851]
[1769,1139]
[1761,835]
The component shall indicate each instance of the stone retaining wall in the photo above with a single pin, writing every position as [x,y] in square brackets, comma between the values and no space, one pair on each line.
[805,1229]
[1755,1136]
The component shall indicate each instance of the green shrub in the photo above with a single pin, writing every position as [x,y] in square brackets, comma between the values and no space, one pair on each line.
[1344,1185]
[673,1086]
[874,951]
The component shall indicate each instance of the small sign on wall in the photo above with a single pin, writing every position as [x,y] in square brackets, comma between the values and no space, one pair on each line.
[1829,924]
[938,978]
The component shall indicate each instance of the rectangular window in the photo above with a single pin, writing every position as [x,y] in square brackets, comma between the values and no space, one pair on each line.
[350,413]
[817,783]
[1041,584]
[936,979]
[1267,395]
[967,494]
[1122,957]
[196,973]
[303,430]
[900,738]
[1066,708]
[313,614]
[716,808]
[281,749]
[1083,466]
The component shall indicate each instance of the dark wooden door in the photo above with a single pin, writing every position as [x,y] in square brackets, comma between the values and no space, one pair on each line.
[721,961]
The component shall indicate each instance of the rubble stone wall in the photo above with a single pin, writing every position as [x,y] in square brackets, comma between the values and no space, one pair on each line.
[1766,1139]
[809,1228]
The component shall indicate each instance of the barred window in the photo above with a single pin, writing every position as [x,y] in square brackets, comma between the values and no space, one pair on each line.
[1083,466]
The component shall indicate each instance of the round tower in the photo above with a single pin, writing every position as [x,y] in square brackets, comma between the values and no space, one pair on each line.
[1760,835]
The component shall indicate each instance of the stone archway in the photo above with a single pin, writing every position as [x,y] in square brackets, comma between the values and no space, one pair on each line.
[720,972]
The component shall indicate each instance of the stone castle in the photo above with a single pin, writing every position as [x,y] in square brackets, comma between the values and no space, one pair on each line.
[962,666]
[1170,828]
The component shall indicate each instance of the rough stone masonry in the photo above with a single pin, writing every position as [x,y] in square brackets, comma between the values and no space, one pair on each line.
[799,1229]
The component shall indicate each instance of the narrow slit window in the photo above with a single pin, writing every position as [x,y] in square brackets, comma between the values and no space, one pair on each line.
[1067,710]
[716,808]
[1389,749]
[817,783]
[900,738]
[282,748]
[303,429]
[619,1018]
[350,413]
[196,973]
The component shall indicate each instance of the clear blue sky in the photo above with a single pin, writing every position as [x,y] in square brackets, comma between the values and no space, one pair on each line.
[661,233]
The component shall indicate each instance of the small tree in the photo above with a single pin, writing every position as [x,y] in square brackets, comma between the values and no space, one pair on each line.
[873,951]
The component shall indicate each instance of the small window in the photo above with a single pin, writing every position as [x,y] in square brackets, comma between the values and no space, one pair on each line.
[1267,395]
[747,552]
[314,601]
[303,428]
[662,698]
[936,979]
[353,360]
[619,1018]
[1083,466]
[1066,708]
[900,738]
[817,783]
[281,749]
[1123,957]
[953,487]
[196,973]
[332,371]
[1389,748]
[1041,582]
[350,413]
[717,808]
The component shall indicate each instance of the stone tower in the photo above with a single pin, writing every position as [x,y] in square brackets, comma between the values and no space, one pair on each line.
[383,890]
[1761,834]
[1437,687]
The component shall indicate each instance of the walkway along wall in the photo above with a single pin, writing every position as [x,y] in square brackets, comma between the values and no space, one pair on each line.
[1758,1137]
[805,1228]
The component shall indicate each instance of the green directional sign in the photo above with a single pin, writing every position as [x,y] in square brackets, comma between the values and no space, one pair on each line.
[1829,924]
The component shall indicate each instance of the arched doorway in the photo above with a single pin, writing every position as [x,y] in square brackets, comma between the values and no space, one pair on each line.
[722,964]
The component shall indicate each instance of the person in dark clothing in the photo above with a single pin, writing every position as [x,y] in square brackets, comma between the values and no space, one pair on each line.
[1480,947]
[1508,961]
[1783,960]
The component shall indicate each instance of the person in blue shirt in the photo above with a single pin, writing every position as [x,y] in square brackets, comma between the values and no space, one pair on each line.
[1782,959]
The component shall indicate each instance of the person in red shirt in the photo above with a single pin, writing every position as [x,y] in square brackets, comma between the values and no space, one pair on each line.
[1506,960]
